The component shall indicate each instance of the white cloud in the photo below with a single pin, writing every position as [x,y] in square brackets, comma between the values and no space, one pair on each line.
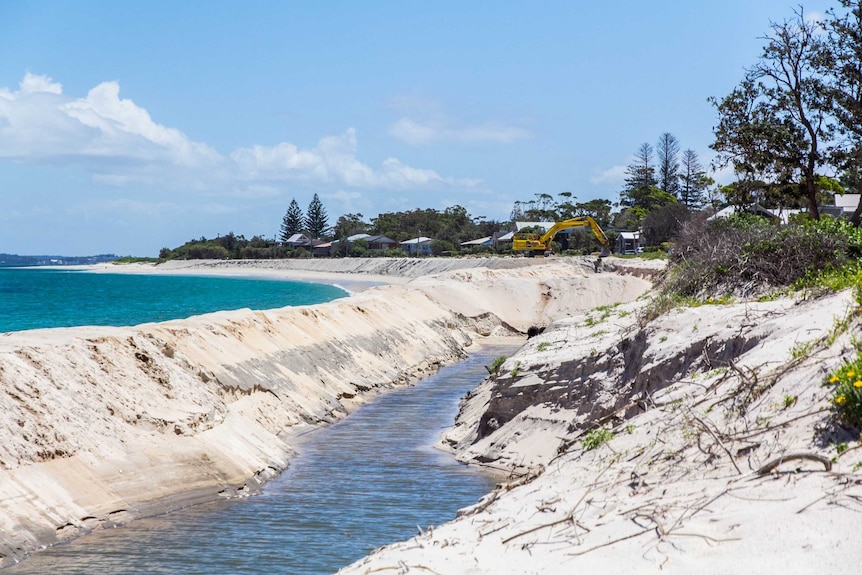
[419,134]
[38,123]
[32,84]
[613,175]
[120,144]
[348,201]
[334,160]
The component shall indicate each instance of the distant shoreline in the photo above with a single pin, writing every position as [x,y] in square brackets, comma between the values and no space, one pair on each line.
[349,282]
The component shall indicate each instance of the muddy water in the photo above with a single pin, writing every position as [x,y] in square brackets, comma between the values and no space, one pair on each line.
[369,480]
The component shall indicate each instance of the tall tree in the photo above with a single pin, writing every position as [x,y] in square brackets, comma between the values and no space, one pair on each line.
[316,222]
[640,173]
[774,123]
[692,181]
[842,66]
[291,223]
[542,209]
[598,209]
[668,163]
[641,193]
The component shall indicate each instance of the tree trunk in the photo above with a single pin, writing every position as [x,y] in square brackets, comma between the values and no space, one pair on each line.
[857,213]
[811,190]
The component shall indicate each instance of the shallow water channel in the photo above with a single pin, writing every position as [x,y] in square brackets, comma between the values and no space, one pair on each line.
[368,480]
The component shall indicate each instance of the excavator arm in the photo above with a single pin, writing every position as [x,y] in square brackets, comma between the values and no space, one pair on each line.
[533,243]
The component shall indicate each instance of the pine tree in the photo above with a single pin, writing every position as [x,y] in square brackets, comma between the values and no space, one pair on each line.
[668,163]
[692,181]
[316,222]
[640,177]
[291,223]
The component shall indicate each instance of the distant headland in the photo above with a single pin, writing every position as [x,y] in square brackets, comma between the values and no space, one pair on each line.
[16,260]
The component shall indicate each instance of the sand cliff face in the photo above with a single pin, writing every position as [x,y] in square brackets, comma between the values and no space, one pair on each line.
[102,425]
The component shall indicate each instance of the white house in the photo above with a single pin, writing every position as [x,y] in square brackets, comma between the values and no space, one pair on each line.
[420,246]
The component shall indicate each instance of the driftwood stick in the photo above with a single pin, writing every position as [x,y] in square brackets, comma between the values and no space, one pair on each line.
[773,463]
[719,442]
[565,519]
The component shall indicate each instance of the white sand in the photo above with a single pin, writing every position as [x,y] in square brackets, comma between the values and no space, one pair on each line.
[699,400]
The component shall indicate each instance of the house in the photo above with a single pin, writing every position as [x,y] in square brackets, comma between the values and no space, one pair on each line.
[322,249]
[298,241]
[845,205]
[381,243]
[847,202]
[420,246]
[377,243]
[628,243]
[544,226]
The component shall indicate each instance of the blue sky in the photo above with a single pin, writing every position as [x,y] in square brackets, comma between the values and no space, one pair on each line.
[127,127]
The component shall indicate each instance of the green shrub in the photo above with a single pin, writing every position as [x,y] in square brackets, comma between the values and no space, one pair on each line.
[495,366]
[596,437]
[747,255]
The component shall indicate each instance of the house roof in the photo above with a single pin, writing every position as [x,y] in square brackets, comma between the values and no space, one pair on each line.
[630,235]
[544,225]
[480,242]
[419,240]
[380,240]
[298,239]
[355,237]
[755,209]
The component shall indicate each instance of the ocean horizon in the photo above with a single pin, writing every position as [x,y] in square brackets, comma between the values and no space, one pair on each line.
[37,298]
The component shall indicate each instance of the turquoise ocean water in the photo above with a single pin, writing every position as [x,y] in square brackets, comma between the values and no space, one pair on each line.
[32,298]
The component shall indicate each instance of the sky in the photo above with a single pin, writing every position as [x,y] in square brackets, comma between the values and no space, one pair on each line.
[129,127]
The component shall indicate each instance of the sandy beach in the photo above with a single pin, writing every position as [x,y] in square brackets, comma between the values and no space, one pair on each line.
[104,425]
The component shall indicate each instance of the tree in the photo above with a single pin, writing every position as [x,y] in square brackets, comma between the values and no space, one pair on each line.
[692,181]
[346,226]
[664,224]
[291,223]
[773,124]
[668,163]
[350,225]
[598,209]
[542,209]
[316,223]
[842,66]
[640,175]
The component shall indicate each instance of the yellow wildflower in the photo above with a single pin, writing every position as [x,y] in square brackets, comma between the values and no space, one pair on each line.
[851,373]
[857,383]
[834,379]
[840,399]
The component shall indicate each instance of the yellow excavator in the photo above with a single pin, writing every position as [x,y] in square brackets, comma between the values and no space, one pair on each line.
[534,244]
